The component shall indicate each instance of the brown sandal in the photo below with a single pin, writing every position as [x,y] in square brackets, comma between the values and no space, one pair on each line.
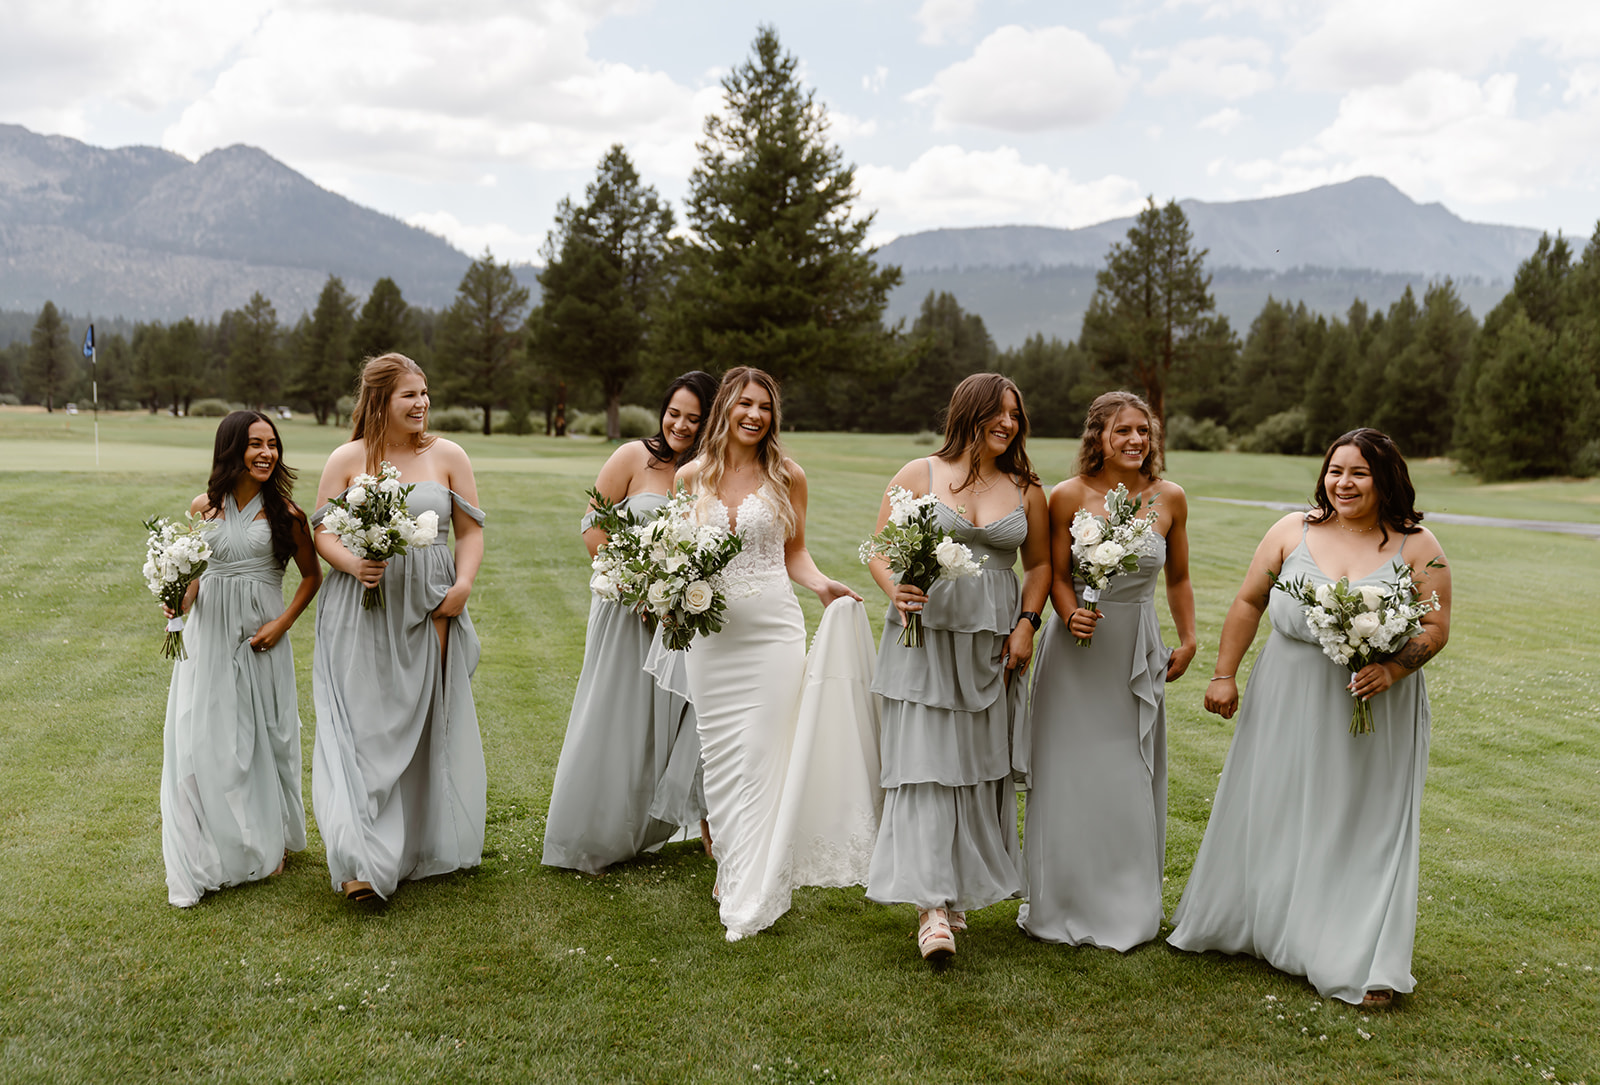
[359,891]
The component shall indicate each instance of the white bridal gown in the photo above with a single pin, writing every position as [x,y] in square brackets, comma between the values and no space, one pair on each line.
[789,741]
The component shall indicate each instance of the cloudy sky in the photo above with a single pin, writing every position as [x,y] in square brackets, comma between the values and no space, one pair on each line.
[474,117]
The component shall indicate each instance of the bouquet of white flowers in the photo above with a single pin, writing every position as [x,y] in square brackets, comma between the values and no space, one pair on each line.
[621,565]
[1358,626]
[677,564]
[372,521]
[918,553]
[1107,546]
[174,557]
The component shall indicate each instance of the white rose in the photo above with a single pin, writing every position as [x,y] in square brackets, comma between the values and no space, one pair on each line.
[1365,626]
[427,529]
[356,498]
[1371,596]
[697,597]
[674,562]
[1325,596]
[390,486]
[951,554]
[1089,531]
[659,596]
[603,586]
[1108,554]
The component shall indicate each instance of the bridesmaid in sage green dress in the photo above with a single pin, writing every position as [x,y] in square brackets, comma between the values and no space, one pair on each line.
[1310,858]
[398,783]
[629,773]
[952,708]
[230,770]
[1094,832]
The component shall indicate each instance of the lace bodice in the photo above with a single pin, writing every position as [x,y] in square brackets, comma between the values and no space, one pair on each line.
[760,564]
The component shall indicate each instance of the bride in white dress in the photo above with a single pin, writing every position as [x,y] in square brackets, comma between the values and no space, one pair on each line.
[765,711]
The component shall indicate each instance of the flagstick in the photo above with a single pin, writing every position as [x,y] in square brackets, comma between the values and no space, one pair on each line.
[94,383]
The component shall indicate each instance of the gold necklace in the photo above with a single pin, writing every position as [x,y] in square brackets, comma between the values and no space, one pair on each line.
[1354,530]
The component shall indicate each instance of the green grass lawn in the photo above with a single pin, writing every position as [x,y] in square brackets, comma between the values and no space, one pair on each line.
[515,972]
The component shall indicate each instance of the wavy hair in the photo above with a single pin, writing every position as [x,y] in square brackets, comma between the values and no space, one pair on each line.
[704,387]
[1092,453]
[369,421]
[228,466]
[975,401]
[769,452]
[1397,497]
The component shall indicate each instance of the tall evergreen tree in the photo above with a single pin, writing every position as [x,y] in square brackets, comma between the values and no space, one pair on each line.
[1149,314]
[480,336]
[255,355]
[777,272]
[182,364]
[1056,382]
[385,323]
[149,350]
[1417,403]
[50,368]
[606,268]
[114,372]
[946,344]
[324,369]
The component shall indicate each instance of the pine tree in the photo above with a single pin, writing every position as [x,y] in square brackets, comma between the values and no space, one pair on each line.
[1055,381]
[181,365]
[1148,316]
[1417,402]
[945,345]
[49,369]
[323,369]
[480,339]
[254,355]
[385,323]
[606,268]
[777,273]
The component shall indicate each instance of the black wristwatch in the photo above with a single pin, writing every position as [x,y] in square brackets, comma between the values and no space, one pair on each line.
[1033,618]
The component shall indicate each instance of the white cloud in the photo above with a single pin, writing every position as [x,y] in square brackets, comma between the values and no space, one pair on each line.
[1217,67]
[951,186]
[1360,43]
[945,20]
[472,238]
[1221,122]
[1020,80]
[843,126]
[876,81]
[1442,136]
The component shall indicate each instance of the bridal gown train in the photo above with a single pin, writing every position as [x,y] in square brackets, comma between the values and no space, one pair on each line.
[230,774]
[789,742]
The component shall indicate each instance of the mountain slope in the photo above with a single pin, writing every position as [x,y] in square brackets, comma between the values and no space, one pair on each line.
[147,233]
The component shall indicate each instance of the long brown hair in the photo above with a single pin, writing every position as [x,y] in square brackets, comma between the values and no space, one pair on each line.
[227,465]
[769,452]
[1092,453]
[369,422]
[975,401]
[1397,497]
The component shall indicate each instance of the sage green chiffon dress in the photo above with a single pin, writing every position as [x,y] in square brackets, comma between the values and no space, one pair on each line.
[629,774]
[1310,858]
[948,838]
[398,783]
[1095,828]
[230,767]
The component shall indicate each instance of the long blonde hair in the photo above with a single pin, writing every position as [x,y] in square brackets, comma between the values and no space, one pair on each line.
[769,452]
[369,421]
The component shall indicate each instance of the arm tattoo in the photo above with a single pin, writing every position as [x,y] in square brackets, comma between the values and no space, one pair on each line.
[1416,652]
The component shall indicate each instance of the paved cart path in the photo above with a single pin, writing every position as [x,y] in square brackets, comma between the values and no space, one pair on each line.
[1562,527]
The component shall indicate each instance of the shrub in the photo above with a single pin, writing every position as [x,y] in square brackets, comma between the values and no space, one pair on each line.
[1184,434]
[1285,433]
[633,421]
[1586,461]
[514,421]
[9,400]
[456,420]
[925,437]
[208,408]
[586,423]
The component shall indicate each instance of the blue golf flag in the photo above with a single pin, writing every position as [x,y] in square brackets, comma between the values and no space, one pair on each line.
[88,342]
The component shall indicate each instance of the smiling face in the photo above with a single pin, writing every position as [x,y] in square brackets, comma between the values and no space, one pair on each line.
[1349,485]
[999,431]
[750,416]
[681,420]
[1126,440]
[261,453]
[408,407]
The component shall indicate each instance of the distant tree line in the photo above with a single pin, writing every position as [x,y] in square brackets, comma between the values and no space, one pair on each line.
[772,269]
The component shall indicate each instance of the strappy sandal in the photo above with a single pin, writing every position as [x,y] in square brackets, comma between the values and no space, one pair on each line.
[359,891]
[1380,998]
[935,939]
[958,920]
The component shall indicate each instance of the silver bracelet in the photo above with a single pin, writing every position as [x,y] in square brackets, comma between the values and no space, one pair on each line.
[1218,678]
